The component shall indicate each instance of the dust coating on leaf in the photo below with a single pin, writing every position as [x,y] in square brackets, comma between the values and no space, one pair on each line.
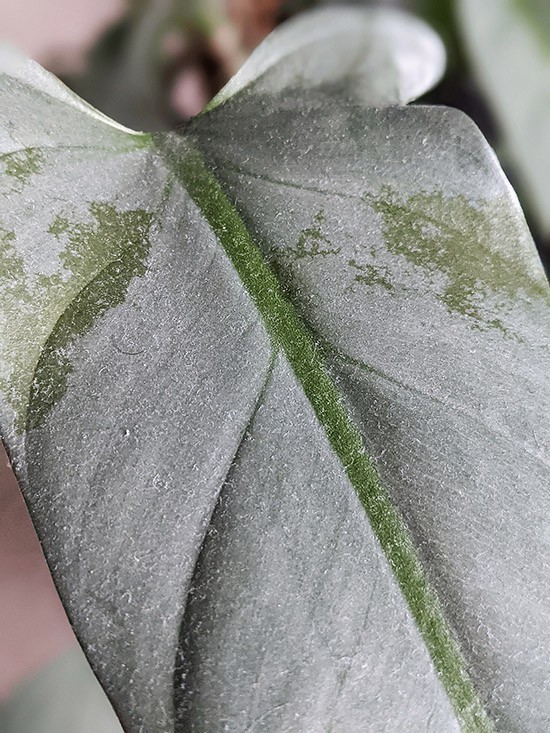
[463,241]
[32,306]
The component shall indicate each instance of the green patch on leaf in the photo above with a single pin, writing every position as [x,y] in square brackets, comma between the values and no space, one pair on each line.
[312,242]
[10,265]
[113,243]
[122,234]
[463,242]
[23,164]
[368,274]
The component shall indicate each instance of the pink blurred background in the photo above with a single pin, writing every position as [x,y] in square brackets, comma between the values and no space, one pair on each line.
[57,33]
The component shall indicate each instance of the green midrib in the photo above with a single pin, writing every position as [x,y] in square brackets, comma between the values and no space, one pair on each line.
[290,333]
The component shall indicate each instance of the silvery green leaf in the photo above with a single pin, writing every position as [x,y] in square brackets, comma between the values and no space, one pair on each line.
[375,56]
[277,401]
[509,43]
[406,253]
[75,168]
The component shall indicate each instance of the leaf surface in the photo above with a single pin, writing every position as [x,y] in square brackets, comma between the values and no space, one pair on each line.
[276,399]
[432,326]
[375,56]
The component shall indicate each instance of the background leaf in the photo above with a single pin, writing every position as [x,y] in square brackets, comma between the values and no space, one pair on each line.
[133,69]
[376,56]
[509,44]
[64,697]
